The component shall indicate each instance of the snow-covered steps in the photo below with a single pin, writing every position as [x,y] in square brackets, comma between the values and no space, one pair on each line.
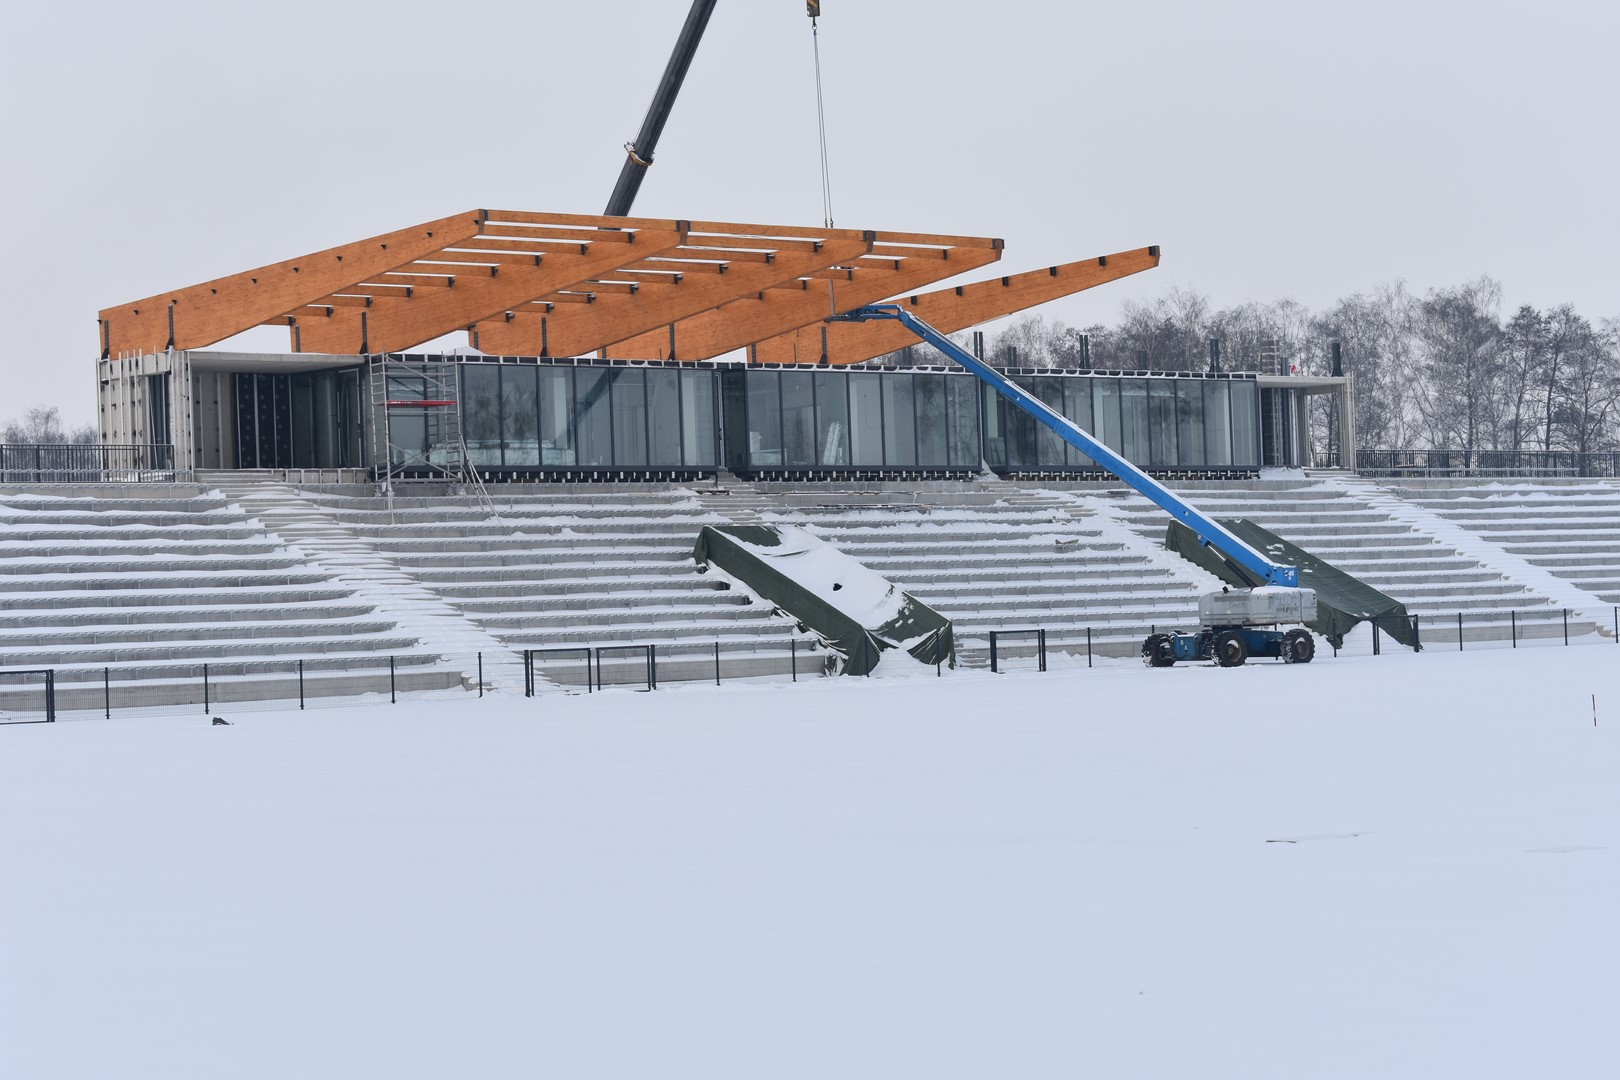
[137,589]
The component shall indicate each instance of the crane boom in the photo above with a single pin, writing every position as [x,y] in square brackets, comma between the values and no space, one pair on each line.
[639,154]
[1209,531]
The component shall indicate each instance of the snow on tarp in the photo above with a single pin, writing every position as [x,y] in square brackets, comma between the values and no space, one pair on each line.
[858,613]
[1342,601]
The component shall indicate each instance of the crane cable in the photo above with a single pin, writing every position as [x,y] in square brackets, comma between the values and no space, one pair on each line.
[821,124]
[814,9]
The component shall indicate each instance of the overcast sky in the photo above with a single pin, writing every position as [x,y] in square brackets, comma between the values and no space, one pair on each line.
[1272,149]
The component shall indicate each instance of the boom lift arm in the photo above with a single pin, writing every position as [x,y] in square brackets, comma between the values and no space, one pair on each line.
[1211,533]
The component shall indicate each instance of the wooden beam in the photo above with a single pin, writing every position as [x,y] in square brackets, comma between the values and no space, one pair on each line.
[949,310]
[200,315]
[393,324]
[771,312]
[614,318]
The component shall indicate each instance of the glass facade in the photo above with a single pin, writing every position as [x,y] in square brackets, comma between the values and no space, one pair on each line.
[824,420]
[525,415]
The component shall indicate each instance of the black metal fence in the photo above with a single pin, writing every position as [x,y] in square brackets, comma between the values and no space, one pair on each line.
[30,707]
[1493,463]
[643,665]
[1037,649]
[65,463]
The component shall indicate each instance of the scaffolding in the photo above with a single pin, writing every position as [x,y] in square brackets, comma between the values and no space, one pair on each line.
[416,419]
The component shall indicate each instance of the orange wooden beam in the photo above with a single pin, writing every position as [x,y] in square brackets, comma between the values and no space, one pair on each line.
[949,310]
[771,312]
[393,324]
[580,332]
[200,315]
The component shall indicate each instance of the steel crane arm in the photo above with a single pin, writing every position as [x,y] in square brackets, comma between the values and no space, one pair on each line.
[1208,531]
[639,154]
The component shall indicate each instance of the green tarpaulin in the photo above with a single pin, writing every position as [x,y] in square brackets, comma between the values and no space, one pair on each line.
[1341,600]
[857,613]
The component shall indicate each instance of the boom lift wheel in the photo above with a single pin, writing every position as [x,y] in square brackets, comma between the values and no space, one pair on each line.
[1158,651]
[1231,650]
[1299,647]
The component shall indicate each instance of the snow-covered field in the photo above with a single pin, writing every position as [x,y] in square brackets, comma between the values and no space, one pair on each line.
[1403,866]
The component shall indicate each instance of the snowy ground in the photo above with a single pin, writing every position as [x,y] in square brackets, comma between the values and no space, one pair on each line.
[1111,873]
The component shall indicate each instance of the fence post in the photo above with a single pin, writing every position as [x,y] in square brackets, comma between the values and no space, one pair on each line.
[652,667]
[205,689]
[480,673]
[1566,628]
[393,694]
[106,690]
[1417,636]
[1376,650]
[993,652]
[1088,646]
[50,696]
[793,658]
[528,673]
[1459,632]
[1040,640]
[717,663]
[1513,627]
[300,682]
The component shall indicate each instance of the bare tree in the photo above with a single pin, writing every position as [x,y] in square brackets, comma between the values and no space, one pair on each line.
[43,424]
[1459,363]
[1378,335]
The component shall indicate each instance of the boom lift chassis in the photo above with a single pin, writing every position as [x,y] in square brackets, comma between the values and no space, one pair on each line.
[1236,624]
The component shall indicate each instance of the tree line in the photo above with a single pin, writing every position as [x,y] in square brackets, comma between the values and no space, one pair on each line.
[43,425]
[1444,370]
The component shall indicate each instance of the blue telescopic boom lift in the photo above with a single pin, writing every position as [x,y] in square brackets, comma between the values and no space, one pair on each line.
[1232,620]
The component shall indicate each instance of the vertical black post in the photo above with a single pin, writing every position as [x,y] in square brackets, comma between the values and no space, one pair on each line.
[1459,632]
[1040,639]
[1566,627]
[1376,650]
[992,651]
[1417,636]
[528,673]
[793,657]
[652,666]
[300,683]
[1088,646]
[717,663]
[50,697]
[106,690]
[480,673]
[205,689]
[1513,627]
[393,694]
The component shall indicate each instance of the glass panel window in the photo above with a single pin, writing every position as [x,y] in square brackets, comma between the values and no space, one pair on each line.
[520,415]
[481,412]
[664,416]
[556,416]
[931,420]
[962,404]
[1190,421]
[1106,412]
[1077,402]
[1162,423]
[865,418]
[594,413]
[832,419]
[764,419]
[798,419]
[1217,422]
[629,416]
[697,417]
[995,427]
[1049,445]
[1133,407]
[1246,423]
[899,420]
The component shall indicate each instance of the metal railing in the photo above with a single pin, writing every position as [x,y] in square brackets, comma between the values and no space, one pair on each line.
[66,463]
[1492,463]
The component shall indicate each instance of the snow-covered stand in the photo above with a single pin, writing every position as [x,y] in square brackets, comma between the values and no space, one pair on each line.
[856,612]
